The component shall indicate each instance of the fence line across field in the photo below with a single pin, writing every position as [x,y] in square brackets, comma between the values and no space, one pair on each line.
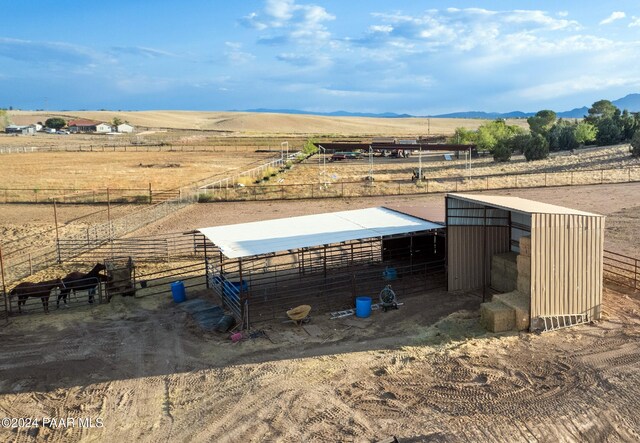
[427,186]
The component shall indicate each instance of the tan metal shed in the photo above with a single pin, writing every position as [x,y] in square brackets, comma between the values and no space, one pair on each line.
[566,251]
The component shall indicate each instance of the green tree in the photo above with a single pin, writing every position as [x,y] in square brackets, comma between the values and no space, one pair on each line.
[309,147]
[4,118]
[489,134]
[601,109]
[628,124]
[542,122]
[502,151]
[585,133]
[463,136]
[55,123]
[115,121]
[562,136]
[518,142]
[609,132]
[635,144]
[537,148]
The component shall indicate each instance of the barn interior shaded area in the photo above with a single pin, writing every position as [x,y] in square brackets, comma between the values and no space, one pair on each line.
[259,270]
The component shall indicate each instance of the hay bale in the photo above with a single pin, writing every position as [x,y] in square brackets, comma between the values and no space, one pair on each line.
[502,282]
[497,317]
[520,303]
[525,246]
[504,271]
[524,266]
[524,285]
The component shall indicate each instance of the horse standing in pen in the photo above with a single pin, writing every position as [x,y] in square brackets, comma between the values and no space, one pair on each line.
[43,289]
[78,281]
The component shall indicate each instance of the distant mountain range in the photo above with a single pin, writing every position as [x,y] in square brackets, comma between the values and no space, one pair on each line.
[630,102]
[331,114]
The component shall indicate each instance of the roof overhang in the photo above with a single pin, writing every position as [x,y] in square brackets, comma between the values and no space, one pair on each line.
[520,204]
[284,234]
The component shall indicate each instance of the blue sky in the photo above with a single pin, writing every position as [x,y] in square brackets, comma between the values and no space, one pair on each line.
[417,57]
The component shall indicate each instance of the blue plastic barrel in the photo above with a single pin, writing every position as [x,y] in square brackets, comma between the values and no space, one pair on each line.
[363,307]
[178,292]
[390,273]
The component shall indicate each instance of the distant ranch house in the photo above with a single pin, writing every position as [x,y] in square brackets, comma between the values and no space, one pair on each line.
[76,126]
[24,130]
[103,127]
[124,127]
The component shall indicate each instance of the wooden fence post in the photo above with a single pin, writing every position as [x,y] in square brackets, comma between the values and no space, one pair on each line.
[635,279]
[4,287]
[55,218]
[150,194]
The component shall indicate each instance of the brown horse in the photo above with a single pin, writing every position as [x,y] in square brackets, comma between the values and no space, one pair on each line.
[43,289]
[79,281]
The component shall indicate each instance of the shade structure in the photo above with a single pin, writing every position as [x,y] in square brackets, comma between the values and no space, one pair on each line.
[283,234]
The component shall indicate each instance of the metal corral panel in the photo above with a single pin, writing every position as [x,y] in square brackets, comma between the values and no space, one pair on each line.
[465,213]
[566,265]
[464,251]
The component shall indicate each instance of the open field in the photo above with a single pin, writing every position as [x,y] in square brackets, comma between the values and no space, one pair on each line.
[99,170]
[255,123]
[427,372]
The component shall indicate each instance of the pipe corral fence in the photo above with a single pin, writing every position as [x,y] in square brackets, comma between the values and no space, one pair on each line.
[227,190]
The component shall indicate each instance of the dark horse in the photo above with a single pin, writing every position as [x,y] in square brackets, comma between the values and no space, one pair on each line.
[43,289]
[78,281]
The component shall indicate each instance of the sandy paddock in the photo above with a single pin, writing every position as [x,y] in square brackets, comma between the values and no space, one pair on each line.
[426,372]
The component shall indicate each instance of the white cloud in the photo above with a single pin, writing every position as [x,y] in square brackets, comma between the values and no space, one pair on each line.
[381,28]
[235,54]
[617,15]
[301,23]
[563,13]
[634,22]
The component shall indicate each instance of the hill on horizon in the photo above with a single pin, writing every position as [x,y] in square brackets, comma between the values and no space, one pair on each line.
[630,102]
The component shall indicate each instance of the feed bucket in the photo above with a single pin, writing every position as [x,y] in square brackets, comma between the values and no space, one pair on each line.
[390,273]
[178,292]
[363,307]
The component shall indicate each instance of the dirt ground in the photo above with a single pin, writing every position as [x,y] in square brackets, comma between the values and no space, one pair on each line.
[426,372]
[143,371]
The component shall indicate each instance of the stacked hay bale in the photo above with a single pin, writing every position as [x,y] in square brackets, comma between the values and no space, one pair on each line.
[512,275]
[520,305]
[504,272]
[495,316]
[524,266]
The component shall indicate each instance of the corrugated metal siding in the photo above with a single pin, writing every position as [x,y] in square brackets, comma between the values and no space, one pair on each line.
[566,264]
[464,250]
[464,213]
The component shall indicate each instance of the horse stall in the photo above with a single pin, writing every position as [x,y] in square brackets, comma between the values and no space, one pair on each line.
[260,270]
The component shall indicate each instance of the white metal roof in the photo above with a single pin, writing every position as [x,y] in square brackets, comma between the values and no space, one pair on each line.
[264,237]
[520,204]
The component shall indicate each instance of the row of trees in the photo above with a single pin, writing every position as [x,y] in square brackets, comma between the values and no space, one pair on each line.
[603,125]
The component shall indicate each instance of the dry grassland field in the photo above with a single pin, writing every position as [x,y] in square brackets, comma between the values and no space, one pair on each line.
[142,370]
[251,124]
[90,170]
